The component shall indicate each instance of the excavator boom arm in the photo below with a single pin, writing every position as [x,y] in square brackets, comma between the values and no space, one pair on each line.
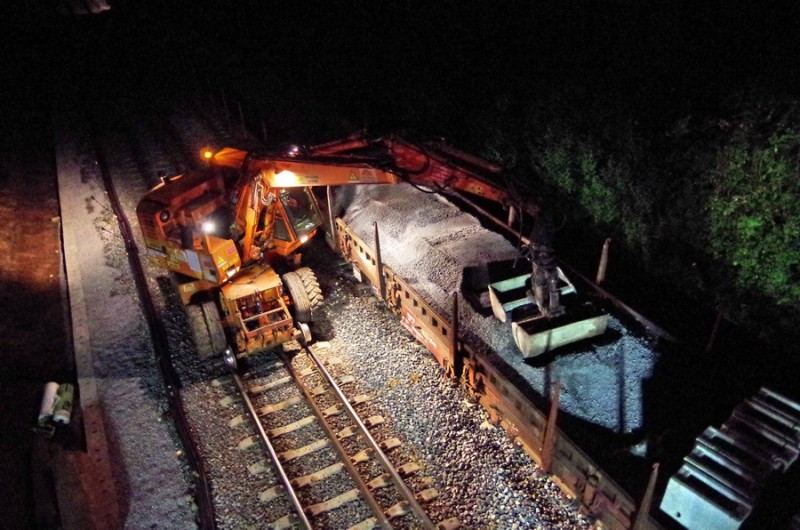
[433,164]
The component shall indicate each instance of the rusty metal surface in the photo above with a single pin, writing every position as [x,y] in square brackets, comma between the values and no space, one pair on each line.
[571,468]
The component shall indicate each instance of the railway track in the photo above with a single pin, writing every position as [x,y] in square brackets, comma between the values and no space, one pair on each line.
[329,466]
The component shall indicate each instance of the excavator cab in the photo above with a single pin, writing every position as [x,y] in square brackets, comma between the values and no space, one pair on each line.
[302,214]
[284,219]
[297,217]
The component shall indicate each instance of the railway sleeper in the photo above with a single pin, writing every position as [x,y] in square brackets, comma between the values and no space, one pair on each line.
[291,427]
[373,421]
[260,389]
[427,495]
[389,444]
[323,388]
[258,468]
[252,440]
[293,454]
[359,399]
[346,380]
[406,470]
[380,481]
[271,493]
[362,456]
[333,503]
[449,524]
[317,476]
[285,522]
[248,442]
[367,524]
[236,421]
[333,410]
[224,380]
[398,510]
[265,411]
[228,401]
[347,432]
[282,405]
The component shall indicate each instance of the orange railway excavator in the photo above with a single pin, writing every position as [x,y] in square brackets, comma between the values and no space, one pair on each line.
[232,234]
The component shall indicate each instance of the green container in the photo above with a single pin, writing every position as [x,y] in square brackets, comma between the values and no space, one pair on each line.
[63,408]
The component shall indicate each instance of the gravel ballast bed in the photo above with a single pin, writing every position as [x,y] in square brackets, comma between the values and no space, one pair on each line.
[429,242]
[483,479]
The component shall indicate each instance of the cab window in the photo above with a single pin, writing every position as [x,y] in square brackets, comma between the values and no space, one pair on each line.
[301,210]
[281,231]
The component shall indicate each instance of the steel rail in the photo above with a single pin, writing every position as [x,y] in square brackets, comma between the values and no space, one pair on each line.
[159,340]
[397,480]
[287,483]
[362,486]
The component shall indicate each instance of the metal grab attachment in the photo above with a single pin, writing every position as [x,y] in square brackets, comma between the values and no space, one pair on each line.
[536,332]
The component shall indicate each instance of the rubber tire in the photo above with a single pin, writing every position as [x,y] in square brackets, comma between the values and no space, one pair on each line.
[214,324]
[297,292]
[311,285]
[197,324]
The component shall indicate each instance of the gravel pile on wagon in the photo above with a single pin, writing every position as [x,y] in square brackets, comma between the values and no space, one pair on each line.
[428,241]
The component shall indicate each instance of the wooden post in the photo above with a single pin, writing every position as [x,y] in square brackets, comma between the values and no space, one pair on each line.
[379,264]
[456,357]
[601,269]
[334,241]
[647,500]
[512,216]
[549,442]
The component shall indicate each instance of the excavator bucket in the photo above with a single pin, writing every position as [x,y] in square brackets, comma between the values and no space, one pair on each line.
[535,333]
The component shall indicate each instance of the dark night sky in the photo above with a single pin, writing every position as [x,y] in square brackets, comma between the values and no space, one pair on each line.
[373,58]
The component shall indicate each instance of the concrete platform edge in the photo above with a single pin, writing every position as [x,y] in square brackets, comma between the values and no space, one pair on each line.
[85,486]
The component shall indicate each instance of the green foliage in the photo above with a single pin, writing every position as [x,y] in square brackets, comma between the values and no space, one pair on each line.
[707,204]
[557,166]
[754,215]
[594,176]
[597,193]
